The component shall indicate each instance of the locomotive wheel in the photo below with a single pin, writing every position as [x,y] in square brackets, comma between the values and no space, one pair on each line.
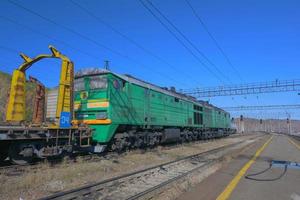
[3,156]
[3,152]
[16,157]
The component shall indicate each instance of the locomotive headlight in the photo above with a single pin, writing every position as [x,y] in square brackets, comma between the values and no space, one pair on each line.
[101,115]
[84,95]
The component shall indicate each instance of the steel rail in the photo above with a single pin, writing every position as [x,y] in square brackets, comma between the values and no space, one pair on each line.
[9,169]
[88,189]
[141,194]
[108,155]
[208,163]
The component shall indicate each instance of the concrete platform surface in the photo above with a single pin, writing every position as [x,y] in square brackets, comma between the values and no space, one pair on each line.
[230,182]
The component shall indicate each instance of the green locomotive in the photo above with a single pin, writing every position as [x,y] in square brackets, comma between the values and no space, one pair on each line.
[126,112]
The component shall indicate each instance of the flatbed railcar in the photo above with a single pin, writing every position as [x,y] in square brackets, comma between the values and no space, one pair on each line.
[125,112]
[24,143]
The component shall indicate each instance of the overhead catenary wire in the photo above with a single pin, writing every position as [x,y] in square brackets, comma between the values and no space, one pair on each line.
[67,29]
[9,49]
[214,40]
[46,35]
[178,39]
[14,51]
[90,40]
[6,63]
[132,41]
[188,41]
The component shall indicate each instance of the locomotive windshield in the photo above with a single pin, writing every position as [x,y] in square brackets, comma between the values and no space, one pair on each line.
[98,82]
[95,82]
[79,84]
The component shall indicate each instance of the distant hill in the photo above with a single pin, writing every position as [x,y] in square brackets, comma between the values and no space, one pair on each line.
[5,80]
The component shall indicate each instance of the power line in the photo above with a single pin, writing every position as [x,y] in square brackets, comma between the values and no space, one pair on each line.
[214,40]
[86,38]
[100,20]
[178,39]
[9,49]
[45,35]
[189,41]
[5,61]
[67,28]
[14,51]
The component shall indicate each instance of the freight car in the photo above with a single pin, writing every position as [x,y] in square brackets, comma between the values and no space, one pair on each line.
[125,112]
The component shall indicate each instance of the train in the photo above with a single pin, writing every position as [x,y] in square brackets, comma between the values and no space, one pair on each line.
[114,112]
[126,112]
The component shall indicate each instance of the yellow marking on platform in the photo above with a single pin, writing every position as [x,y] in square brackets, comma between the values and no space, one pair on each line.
[296,145]
[231,186]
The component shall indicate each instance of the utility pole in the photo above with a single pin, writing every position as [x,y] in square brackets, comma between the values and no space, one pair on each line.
[278,125]
[288,121]
[106,64]
[242,125]
[266,126]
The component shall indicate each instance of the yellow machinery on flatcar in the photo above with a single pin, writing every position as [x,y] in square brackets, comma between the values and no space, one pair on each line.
[16,104]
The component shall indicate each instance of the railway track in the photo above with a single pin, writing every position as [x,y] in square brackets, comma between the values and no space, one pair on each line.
[107,155]
[296,137]
[144,182]
[15,170]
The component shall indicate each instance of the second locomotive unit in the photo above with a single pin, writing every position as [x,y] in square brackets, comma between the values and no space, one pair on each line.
[125,112]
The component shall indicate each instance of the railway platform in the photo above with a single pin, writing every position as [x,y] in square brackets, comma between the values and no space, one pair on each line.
[269,170]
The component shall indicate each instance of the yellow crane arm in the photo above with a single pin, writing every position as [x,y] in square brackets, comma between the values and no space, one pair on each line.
[16,103]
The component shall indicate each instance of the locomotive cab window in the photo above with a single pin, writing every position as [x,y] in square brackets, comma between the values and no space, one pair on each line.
[98,82]
[79,84]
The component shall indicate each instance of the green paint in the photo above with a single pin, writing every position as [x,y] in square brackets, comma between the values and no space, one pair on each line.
[131,104]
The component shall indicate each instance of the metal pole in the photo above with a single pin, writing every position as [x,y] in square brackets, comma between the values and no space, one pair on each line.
[106,64]
[242,124]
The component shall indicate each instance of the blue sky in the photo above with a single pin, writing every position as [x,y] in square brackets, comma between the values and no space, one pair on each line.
[261,38]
